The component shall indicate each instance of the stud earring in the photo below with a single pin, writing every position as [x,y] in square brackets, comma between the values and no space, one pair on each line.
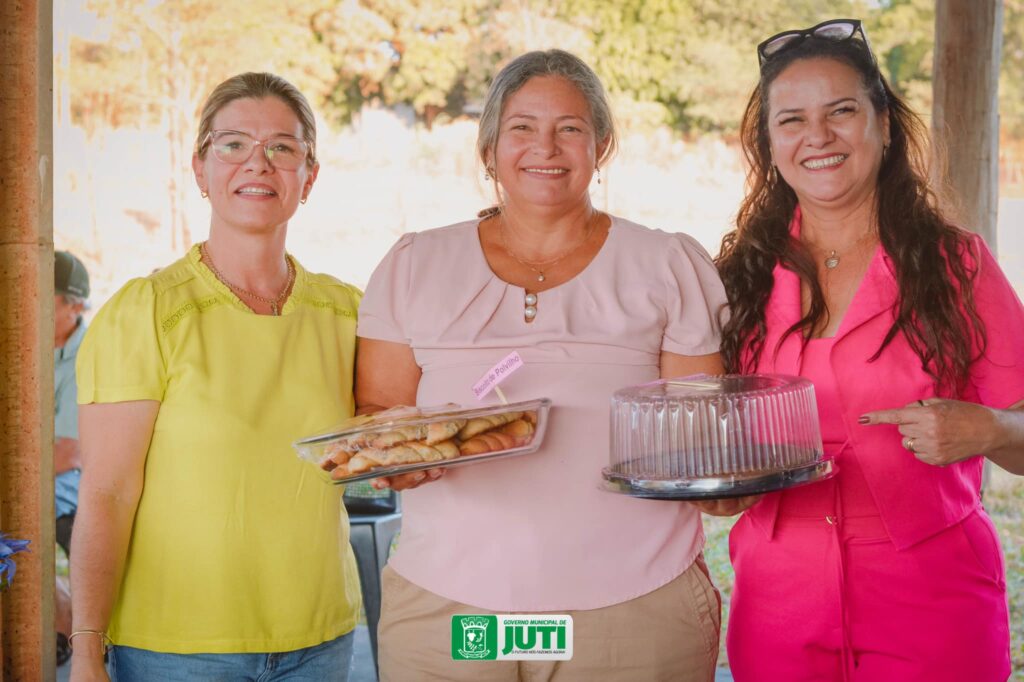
[488,174]
[203,193]
[597,170]
[303,200]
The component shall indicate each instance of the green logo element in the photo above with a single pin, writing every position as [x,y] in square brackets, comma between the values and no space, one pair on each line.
[474,638]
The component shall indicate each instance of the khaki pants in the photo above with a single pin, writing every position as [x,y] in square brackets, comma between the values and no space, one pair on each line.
[670,634]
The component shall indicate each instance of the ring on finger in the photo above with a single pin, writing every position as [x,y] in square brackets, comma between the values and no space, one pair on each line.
[908,443]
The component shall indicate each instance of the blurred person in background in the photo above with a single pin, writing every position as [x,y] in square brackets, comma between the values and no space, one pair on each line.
[70,299]
[204,548]
[843,270]
[592,303]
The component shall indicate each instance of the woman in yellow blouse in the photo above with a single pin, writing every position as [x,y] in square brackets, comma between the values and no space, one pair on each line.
[204,548]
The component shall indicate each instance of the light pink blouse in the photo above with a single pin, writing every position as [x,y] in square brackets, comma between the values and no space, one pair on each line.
[536,533]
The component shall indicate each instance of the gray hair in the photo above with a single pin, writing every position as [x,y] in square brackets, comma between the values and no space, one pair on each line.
[253,85]
[545,63]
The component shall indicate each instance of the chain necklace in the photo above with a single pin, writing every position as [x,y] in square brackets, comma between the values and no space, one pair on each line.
[530,298]
[832,260]
[275,304]
[540,266]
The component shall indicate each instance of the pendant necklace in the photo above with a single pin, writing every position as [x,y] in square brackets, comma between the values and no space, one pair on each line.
[833,259]
[530,299]
[275,304]
[540,266]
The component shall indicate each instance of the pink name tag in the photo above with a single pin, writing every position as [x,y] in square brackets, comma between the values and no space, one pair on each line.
[497,374]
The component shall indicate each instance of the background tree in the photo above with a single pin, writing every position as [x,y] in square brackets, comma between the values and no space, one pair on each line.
[154,62]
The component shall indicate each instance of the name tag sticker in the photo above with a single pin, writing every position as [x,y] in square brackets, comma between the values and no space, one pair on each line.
[497,374]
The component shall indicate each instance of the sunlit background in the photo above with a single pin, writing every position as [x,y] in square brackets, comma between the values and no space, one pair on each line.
[396,85]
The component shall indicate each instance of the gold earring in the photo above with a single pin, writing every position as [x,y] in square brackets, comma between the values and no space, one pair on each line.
[203,193]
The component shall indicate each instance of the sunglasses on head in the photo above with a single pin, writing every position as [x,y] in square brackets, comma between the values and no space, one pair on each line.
[838,30]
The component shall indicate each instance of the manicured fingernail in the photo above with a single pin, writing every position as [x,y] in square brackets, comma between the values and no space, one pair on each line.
[436,473]
[420,476]
[863,419]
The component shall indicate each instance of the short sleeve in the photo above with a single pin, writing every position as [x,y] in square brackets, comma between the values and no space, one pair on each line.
[120,358]
[65,407]
[382,311]
[998,374]
[694,299]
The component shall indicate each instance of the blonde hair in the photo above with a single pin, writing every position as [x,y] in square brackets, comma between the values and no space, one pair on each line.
[254,85]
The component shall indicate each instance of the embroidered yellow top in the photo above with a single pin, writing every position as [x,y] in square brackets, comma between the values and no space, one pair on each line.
[238,546]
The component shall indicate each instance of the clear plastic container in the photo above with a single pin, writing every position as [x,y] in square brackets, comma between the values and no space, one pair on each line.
[408,439]
[706,437]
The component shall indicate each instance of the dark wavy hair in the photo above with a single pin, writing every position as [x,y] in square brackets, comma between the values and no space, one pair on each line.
[935,309]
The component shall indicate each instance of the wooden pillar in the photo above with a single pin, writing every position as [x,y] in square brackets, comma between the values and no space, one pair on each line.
[965,84]
[965,113]
[26,335]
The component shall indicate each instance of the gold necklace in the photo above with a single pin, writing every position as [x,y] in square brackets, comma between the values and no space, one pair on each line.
[539,266]
[832,260]
[275,304]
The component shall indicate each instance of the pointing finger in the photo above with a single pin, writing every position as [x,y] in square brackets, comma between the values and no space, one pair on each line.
[883,417]
[906,415]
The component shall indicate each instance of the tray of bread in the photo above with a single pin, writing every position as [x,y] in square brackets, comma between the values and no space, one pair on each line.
[709,437]
[406,439]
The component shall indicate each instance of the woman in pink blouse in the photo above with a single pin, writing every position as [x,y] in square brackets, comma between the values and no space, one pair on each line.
[592,303]
[843,270]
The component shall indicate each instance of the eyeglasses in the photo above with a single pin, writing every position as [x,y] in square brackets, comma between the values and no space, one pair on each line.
[283,152]
[838,30]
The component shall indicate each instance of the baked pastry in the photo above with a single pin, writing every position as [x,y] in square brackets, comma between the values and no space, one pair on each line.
[409,453]
[478,425]
[431,434]
[431,442]
[504,437]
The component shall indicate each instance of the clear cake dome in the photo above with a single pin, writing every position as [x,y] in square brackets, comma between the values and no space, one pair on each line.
[715,436]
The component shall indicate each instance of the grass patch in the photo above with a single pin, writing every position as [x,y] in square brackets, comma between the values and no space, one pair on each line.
[1004,500]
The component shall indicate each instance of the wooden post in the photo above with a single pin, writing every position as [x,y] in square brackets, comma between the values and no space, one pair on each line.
[26,335]
[965,85]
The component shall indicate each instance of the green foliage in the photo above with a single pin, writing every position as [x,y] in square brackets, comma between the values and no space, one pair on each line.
[1011,73]
[149,60]
[902,34]
[687,63]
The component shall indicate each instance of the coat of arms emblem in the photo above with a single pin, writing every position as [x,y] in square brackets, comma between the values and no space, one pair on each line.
[474,637]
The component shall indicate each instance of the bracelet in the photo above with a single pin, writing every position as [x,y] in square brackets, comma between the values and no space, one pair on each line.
[107,642]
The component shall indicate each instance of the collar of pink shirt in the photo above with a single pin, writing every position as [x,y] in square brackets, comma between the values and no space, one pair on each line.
[916,500]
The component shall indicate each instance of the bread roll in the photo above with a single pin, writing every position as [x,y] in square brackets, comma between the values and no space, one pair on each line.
[400,435]
[442,431]
[478,425]
[492,441]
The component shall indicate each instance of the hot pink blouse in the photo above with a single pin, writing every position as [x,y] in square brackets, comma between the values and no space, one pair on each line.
[915,500]
[537,533]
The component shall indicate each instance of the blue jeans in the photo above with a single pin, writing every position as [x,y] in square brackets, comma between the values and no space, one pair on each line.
[327,661]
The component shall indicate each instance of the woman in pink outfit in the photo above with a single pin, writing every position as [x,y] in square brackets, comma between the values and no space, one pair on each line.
[591,302]
[843,270]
